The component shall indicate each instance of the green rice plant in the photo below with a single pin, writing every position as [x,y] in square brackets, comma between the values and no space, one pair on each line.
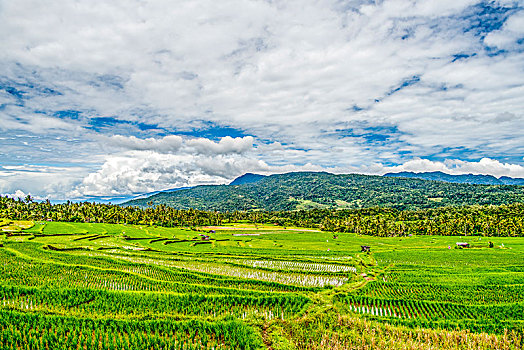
[94,302]
[413,311]
[42,332]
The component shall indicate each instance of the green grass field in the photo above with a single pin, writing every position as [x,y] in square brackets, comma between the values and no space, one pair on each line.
[246,286]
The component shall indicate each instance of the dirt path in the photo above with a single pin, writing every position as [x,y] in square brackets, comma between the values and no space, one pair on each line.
[265,337]
[324,300]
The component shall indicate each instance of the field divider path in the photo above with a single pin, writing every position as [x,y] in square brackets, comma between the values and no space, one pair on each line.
[321,302]
[324,301]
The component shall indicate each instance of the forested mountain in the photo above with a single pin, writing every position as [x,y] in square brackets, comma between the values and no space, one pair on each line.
[307,190]
[247,178]
[511,181]
[465,178]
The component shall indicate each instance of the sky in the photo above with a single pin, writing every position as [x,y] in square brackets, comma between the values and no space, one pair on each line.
[102,99]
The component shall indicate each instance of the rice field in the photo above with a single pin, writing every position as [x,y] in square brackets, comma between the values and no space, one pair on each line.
[112,286]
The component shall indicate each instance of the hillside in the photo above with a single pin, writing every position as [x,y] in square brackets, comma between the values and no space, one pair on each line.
[247,178]
[306,190]
[465,178]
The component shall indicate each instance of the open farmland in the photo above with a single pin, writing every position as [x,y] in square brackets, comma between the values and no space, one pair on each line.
[247,286]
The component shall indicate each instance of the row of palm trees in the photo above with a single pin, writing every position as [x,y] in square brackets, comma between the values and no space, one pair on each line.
[503,220]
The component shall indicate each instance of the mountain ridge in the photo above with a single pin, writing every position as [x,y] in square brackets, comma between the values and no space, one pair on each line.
[461,178]
[247,178]
[307,190]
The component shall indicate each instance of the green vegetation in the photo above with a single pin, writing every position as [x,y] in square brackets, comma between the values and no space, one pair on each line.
[38,331]
[464,178]
[249,285]
[306,190]
[493,221]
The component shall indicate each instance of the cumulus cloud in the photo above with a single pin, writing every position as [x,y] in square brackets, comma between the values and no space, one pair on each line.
[175,143]
[17,194]
[224,146]
[153,164]
[134,172]
[139,172]
[167,144]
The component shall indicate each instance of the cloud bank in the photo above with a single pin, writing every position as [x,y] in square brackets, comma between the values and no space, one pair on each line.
[485,166]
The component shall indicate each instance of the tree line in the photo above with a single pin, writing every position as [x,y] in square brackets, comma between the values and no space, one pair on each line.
[487,220]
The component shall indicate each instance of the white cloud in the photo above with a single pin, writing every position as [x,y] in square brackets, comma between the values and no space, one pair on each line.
[17,194]
[512,31]
[167,144]
[485,166]
[143,171]
[198,161]
[51,182]
[224,146]
[332,84]
[175,143]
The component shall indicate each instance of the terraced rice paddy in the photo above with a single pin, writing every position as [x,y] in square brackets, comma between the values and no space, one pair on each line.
[82,285]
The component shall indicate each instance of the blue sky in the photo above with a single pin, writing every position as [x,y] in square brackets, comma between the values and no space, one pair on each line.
[126,97]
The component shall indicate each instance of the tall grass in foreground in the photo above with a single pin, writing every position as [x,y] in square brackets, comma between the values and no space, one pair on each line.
[329,330]
[43,332]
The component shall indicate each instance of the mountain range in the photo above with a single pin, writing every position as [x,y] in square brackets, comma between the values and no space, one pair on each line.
[433,176]
[464,178]
[306,190]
